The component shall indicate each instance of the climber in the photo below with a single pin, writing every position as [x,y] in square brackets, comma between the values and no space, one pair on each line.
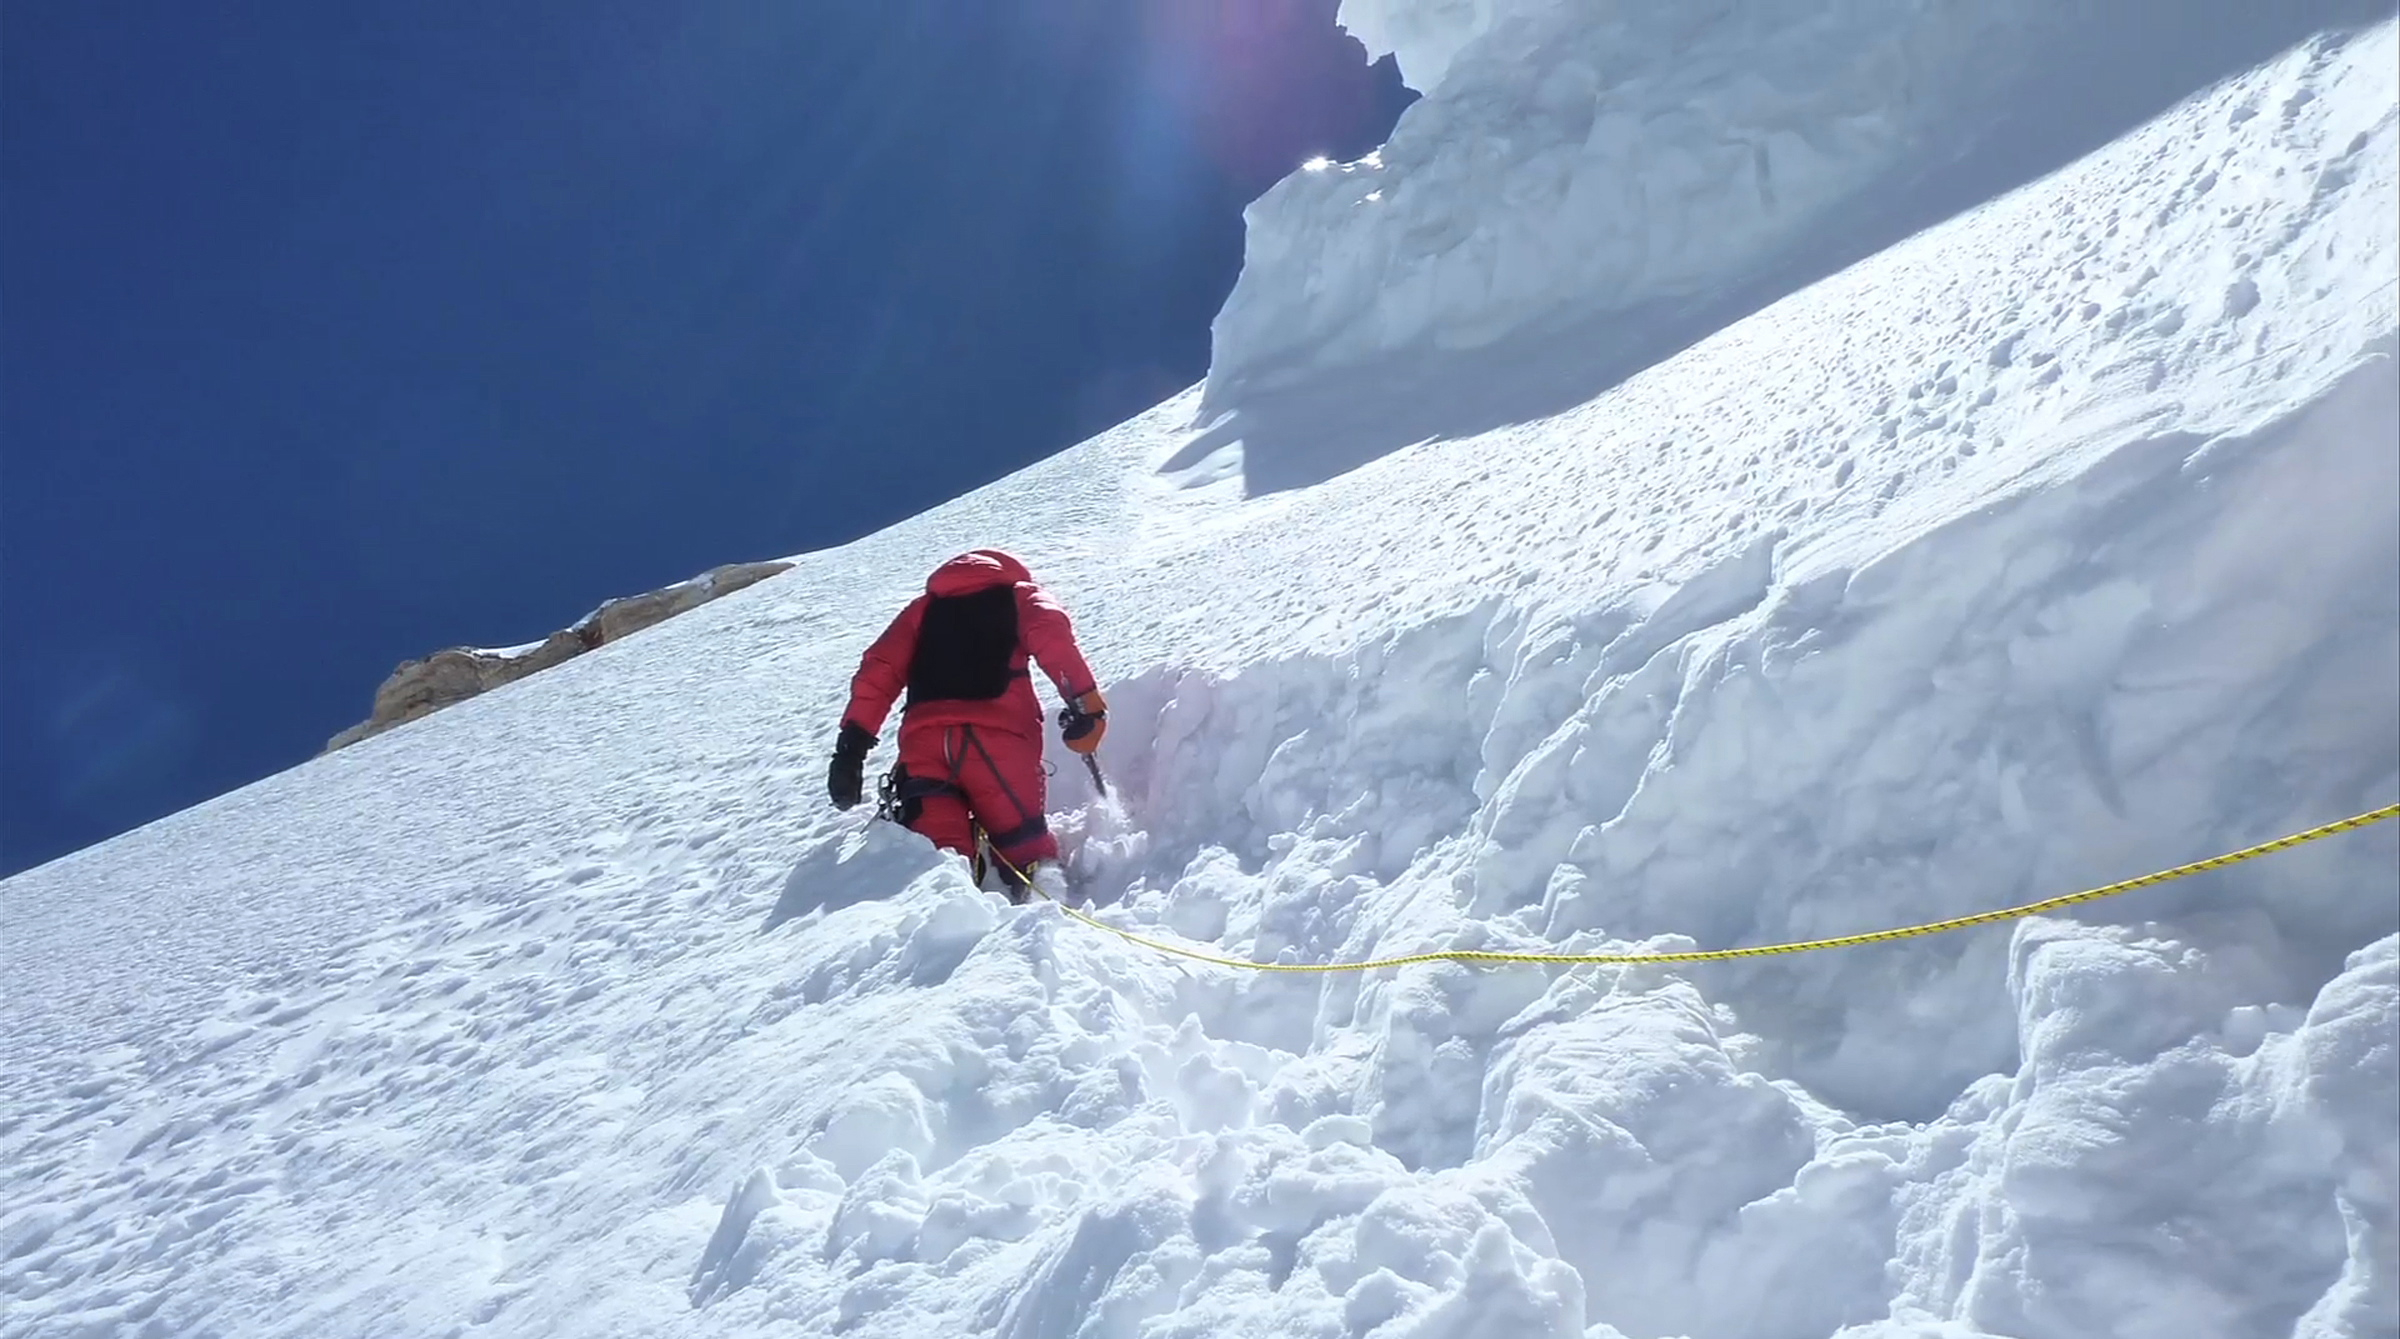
[971,734]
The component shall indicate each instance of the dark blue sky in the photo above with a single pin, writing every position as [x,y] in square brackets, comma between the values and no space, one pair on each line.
[332,335]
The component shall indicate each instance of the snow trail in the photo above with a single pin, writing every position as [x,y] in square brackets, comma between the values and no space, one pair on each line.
[2054,545]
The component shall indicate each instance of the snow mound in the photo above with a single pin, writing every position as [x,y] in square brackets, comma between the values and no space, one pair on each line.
[1587,187]
[2058,544]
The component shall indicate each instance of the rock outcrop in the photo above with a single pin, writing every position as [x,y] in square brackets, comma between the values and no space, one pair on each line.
[421,687]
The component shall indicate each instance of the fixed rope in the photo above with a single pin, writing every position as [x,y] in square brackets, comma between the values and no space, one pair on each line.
[1472,955]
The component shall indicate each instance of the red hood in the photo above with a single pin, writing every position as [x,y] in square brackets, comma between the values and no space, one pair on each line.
[970,572]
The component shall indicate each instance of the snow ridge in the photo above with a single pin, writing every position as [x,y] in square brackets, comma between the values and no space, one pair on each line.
[1587,188]
[2058,544]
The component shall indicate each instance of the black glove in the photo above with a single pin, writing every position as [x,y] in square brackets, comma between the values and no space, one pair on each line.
[846,779]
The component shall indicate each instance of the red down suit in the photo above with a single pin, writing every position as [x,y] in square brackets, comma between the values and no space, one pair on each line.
[972,722]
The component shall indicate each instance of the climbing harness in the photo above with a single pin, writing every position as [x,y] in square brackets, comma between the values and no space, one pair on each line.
[900,798]
[1469,955]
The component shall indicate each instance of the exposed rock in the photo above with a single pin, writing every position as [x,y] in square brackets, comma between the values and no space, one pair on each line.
[422,687]
[620,618]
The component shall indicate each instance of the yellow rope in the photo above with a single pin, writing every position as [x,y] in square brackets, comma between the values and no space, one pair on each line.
[1761,951]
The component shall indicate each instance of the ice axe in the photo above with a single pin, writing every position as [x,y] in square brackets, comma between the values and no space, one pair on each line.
[1099,782]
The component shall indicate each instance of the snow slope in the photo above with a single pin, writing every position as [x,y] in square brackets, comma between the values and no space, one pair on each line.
[1590,185]
[2057,544]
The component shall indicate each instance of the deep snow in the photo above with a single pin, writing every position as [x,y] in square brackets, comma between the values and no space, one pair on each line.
[2054,545]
